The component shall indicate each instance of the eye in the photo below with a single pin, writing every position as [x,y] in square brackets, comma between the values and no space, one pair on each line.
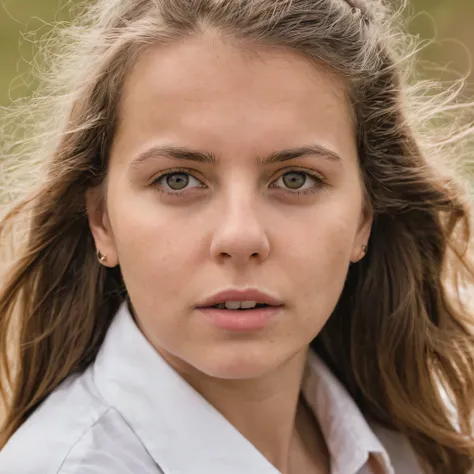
[176,181]
[299,181]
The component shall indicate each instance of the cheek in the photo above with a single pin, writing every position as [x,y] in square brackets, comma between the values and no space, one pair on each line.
[155,250]
[320,258]
[325,240]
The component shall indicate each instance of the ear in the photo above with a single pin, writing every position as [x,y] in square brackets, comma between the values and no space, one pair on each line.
[363,234]
[100,227]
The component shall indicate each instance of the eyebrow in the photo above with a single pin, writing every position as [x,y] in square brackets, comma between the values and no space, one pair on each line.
[187,154]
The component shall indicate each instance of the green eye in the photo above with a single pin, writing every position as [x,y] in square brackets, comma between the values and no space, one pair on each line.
[177,181]
[299,182]
[294,179]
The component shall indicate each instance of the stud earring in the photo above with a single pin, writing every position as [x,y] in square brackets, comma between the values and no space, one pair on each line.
[102,258]
[364,249]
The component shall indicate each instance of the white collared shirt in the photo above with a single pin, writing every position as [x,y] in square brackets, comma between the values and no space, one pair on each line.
[131,413]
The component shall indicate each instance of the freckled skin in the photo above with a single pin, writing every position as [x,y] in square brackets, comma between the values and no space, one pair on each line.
[235,224]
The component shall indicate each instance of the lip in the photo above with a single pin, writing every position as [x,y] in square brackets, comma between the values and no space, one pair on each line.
[241,321]
[240,295]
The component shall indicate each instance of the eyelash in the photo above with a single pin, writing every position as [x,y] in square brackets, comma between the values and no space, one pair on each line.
[318,178]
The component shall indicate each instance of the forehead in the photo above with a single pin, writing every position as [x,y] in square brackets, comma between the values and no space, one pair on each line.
[208,92]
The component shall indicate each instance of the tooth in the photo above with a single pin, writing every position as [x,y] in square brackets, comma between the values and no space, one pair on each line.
[232,304]
[221,306]
[248,304]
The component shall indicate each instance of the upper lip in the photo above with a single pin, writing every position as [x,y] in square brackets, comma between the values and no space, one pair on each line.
[240,295]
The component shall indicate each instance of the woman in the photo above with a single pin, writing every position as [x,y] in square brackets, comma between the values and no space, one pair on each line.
[241,256]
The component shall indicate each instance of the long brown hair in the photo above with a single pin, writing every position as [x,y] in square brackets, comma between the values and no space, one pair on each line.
[401,337]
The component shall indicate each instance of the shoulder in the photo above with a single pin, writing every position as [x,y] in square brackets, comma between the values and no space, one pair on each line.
[75,431]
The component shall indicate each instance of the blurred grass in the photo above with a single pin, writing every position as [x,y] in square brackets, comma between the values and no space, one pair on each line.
[18,19]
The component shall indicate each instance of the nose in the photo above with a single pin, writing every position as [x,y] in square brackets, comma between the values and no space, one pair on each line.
[240,235]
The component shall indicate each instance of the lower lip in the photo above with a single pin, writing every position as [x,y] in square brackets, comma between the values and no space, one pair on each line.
[241,320]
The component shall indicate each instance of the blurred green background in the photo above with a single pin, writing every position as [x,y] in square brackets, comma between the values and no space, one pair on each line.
[450,22]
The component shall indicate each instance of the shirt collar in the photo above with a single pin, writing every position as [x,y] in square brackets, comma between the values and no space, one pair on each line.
[178,427]
[348,435]
[173,420]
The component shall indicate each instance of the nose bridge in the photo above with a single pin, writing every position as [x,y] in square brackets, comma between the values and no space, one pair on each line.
[240,233]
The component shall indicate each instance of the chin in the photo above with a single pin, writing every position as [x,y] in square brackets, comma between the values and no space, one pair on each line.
[236,371]
[239,364]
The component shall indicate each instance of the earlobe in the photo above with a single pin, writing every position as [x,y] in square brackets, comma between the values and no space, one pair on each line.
[361,253]
[361,246]
[100,227]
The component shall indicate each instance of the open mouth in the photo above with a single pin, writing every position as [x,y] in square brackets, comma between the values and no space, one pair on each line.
[253,315]
[240,306]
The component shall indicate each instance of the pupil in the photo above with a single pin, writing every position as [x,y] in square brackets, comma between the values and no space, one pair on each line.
[294,180]
[177,181]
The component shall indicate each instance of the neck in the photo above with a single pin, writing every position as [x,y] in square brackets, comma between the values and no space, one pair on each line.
[263,410]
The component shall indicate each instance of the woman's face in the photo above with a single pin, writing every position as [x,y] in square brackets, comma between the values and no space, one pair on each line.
[236,219]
